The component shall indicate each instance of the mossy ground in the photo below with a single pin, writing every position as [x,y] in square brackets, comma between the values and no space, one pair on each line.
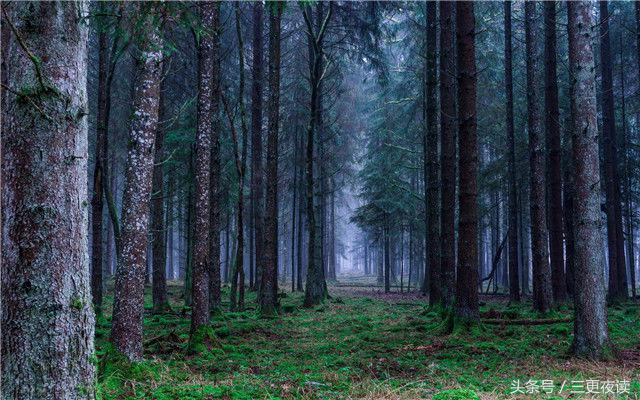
[357,345]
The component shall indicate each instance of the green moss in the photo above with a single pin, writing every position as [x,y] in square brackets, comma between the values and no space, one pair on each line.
[456,394]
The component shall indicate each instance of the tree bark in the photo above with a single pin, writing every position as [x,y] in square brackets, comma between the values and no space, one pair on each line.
[447,154]
[158,229]
[615,243]
[214,166]
[268,301]
[467,304]
[514,276]
[126,329]
[315,290]
[204,136]
[430,155]
[542,292]
[47,317]
[590,324]
[256,138]
[554,174]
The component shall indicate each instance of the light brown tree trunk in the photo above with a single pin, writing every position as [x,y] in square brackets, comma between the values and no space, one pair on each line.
[590,323]
[47,316]
[126,329]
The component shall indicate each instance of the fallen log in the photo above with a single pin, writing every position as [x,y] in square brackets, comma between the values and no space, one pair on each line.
[525,321]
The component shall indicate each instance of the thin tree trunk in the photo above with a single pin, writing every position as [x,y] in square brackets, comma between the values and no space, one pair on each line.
[514,277]
[542,292]
[158,230]
[617,267]
[467,303]
[554,174]
[256,139]
[126,328]
[214,166]
[590,323]
[430,154]
[47,317]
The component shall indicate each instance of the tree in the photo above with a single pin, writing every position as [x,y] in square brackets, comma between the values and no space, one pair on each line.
[591,337]
[554,174]
[204,134]
[214,166]
[268,294]
[45,264]
[315,289]
[615,242]
[126,328]
[256,183]
[514,276]
[542,294]
[158,228]
[467,304]
[447,154]
[430,151]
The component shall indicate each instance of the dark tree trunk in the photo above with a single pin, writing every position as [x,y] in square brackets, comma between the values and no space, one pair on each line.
[256,139]
[204,134]
[615,243]
[158,230]
[315,290]
[126,329]
[627,182]
[554,174]
[299,239]
[387,259]
[568,193]
[214,165]
[467,278]
[514,277]
[447,154]
[268,301]
[47,317]
[430,154]
[542,292]
[97,200]
[590,322]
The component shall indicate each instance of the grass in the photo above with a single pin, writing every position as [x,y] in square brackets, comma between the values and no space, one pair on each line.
[357,346]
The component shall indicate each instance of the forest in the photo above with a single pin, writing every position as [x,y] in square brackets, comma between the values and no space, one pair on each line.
[319,199]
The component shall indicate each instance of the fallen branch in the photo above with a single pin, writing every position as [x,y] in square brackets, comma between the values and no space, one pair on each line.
[525,321]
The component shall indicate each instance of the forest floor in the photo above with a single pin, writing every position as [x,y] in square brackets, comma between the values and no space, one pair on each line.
[367,345]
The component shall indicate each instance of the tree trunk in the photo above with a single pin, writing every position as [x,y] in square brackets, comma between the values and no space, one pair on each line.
[590,322]
[126,329]
[47,317]
[542,292]
[214,165]
[315,290]
[447,154]
[256,138]
[158,230]
[268,301]
[554,175]
[204,135]
[430,154]
[97,200]
[617,267]
[467,280]
[514,277]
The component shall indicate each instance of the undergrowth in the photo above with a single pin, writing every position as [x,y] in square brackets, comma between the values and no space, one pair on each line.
[356,347]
